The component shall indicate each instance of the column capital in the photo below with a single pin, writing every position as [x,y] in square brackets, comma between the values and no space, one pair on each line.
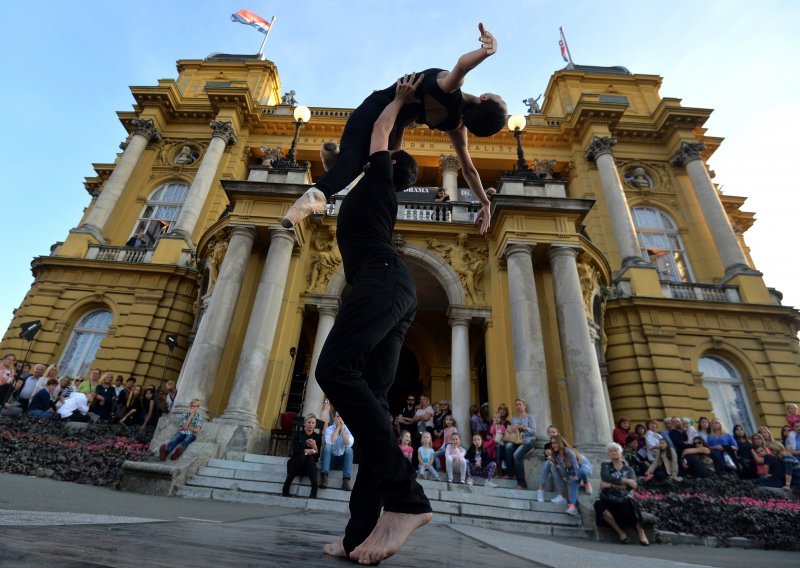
[562,250]
[511,248]
[689,151]
[280,233]
[448,163]
[146,128]
[224,130]
[599,146]
[463,315]
[247,231]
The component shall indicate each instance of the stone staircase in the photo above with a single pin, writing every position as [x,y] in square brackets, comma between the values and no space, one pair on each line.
[258,479]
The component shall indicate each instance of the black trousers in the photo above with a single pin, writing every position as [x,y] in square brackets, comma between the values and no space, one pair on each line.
[301,465]
[354,144]
[356,368]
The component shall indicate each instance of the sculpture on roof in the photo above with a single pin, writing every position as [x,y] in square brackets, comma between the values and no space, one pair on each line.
[533,105]
[288,98]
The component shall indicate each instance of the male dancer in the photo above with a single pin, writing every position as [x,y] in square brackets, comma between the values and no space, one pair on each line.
[438,102]
[358,362]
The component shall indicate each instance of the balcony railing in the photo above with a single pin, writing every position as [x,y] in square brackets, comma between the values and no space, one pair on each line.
[703,292]
[119,254]
[425,212]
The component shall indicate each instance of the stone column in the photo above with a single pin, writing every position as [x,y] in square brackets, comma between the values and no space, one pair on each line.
[448,167]
[252,368]
[459,373]
[529,360]
[144,133]
[599,151]
[584,384]
[222,136]
[200,368]
[314,394]
[733,259]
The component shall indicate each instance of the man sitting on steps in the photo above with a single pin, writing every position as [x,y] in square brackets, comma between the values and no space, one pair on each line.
[339,449]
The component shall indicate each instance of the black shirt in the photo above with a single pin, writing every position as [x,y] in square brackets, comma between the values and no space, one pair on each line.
[367,217]
[41,401]
[437,109]
[299,443]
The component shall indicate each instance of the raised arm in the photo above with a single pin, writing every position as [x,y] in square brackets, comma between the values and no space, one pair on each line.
[383,126]
[458,138]
[467,62]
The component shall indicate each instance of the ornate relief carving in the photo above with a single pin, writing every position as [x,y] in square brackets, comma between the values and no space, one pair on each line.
[448,163]
[223,130]
[686,153]
[590,282]
[599,146]
[186,157]
[325,260]
[215,257]
[179,152]
[146,128]
[467,262]
[269,155]
[638,178]
[543,167]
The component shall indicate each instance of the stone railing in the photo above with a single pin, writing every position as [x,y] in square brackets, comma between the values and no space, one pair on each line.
[119,254]
[424,212]
[703,292]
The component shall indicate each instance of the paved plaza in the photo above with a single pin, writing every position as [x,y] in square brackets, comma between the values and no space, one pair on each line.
[55,524]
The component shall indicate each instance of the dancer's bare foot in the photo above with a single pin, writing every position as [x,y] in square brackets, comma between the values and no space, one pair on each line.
[335,548]
[388,536]
[312,202]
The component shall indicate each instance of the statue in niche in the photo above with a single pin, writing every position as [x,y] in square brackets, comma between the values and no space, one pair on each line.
[590,279]
[288,99]
[186,157]
[533,105]
[214,261]
[325,260]
[544,168]
[269,155]
[467,262]
[637,178]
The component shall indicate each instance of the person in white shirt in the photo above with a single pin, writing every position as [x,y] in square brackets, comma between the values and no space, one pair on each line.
[76,407]
[338,448]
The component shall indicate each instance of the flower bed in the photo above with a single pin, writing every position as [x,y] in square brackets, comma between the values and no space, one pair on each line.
[48,448]
[724,508]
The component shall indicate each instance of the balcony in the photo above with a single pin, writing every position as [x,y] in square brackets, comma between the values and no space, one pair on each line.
[424,212]
[119,254]
[702,292]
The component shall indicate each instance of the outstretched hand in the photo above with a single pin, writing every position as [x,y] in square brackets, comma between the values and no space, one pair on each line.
[407,86]
[484,217]
[488,43]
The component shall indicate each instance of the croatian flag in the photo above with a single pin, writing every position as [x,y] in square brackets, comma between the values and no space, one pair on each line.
[251,19]
[563,50]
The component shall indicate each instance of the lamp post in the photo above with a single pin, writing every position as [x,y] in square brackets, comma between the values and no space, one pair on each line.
[301,114]
[516,124]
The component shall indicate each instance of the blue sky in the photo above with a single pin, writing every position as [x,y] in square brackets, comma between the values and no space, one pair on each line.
[68,65]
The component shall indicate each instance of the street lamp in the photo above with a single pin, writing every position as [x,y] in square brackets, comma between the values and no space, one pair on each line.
[301,114]
[516,124]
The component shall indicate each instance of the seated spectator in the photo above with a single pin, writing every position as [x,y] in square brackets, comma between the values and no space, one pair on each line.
[792,415]
[104,401]
[423,417]
[746,465]
[133,413]
[92,384]
[688,427]
[723,447]
[549,470]
[441,196]
[777,447]
[304,455]
[568,464]
[785,432]
[442,411]
[170,395]
[50,373]
[119,385]
[8,371]
[478,462]
[337,452]
[697,460]
[64,390]
[29,387]
[760,451]
[405,445]
[677,437]
[42,405]
[496,432]
[9,397]
[703,428]
[652,437]
[665,464]
[632,457]
[616,507]
[791,457]
[455,459]
[476,423]
[512,453]
[76,407]
[502,409]
[188,430]
[151,411]
[620,434]
[450,428]
[427,464]
[640,430]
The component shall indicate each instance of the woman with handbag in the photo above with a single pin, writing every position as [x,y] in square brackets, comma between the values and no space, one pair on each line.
[616,507]
[518,441]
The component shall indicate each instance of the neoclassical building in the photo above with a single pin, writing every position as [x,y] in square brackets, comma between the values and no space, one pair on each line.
[615,279]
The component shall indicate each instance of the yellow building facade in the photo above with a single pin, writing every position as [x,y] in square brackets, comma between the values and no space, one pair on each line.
[615,279]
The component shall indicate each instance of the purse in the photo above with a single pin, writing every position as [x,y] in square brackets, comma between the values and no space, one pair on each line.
[514,437]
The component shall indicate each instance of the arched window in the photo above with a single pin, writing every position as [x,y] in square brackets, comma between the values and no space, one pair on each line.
[161,211]
[660,242]
[725,388]
[82,346]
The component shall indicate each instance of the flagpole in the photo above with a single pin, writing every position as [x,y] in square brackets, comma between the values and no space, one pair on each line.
[569,54]
[266,36]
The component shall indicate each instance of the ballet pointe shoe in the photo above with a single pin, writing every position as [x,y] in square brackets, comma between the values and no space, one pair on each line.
[312,202]
[329,152]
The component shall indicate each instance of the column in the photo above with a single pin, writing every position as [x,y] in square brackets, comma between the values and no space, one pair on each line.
[222,136]
[254,358]
[448,167]
[200,368]
[526,328]
[733,259]
[459,374]
[584,384]
[314,394]
[144,133]
[599,151]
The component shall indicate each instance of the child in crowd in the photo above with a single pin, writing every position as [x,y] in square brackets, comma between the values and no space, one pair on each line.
[190,427]
[455,459]
[427,465]
[496,432]
[476,423]
[450,428]
[478,462]
[792,414]
[405,445]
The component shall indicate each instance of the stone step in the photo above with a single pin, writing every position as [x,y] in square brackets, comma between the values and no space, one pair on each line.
[524,527]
